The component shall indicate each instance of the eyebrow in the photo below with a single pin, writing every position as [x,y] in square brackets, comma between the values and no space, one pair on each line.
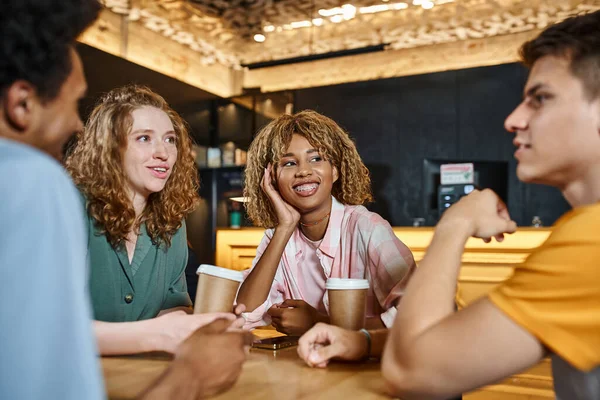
[150,131]
[532,90]
[307,152]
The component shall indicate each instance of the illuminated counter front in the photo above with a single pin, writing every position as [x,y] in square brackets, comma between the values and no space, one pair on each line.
[484,266]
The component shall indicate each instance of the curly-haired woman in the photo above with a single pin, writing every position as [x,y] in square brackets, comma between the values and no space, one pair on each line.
[134,168]
[306,183]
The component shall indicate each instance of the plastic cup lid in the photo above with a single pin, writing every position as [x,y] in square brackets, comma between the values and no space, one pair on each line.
[340,283]
[220,272]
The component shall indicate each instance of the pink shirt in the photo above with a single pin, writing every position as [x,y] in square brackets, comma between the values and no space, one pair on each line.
[358,244]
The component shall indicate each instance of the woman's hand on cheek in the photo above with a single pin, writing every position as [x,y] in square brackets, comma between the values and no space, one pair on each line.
[287,215]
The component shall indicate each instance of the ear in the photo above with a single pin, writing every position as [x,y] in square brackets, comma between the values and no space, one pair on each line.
[18,103]
[334,173]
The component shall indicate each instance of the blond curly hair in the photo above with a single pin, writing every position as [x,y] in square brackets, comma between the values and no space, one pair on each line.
[333,143]
[96,165]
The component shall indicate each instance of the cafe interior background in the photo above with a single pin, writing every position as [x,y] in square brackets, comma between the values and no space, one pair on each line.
[415,83]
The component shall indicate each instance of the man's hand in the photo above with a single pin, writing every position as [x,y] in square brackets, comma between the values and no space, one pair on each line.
[481,214]
[214,355]
[294,317]
[324,342]
[173,328]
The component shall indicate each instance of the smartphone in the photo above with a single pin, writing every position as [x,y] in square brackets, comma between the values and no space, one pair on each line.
[276,343]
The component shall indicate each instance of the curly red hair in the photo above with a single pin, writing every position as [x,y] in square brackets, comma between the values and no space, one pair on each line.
[96,165]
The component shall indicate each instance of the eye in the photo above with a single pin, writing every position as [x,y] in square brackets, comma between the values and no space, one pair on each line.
[143,138]
[539,99]
[171,139]
[288,163]
[316,159]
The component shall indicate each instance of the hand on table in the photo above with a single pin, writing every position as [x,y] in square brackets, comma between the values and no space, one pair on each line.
[324,342]
[293,317]
[214,355]
[173,328]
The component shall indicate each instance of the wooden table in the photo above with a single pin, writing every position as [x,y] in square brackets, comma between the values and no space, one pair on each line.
[266,375]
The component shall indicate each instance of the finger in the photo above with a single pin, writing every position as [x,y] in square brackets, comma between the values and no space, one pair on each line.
[240,338]
[239,309]
[326,353]
[275,311]
[238,323]
[292,303]
[218,326]
[276,322]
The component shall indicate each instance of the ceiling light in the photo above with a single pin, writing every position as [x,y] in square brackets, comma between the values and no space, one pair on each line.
[337,19]
[300,24]
[428,5]
[374,9]
[398,6]
[259,38]
[331,11]
[317,21]
[269,28]
[417,2]
[349,11]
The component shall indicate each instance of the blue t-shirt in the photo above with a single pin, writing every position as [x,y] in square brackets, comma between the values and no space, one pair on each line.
[47,346]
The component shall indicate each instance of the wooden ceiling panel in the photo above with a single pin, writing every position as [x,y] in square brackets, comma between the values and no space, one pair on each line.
[222,31]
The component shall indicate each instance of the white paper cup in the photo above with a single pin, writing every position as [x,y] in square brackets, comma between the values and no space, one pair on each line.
[347,302]
[217,288]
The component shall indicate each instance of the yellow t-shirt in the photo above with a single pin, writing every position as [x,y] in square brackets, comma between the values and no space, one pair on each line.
[555,293]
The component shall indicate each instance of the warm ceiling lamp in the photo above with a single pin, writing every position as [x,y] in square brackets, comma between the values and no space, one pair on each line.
[259,37]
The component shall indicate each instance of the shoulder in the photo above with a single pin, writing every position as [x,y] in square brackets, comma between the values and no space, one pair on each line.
[578,224]
[35,177]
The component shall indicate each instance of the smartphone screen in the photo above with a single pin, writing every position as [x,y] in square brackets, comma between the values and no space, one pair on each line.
[276,343]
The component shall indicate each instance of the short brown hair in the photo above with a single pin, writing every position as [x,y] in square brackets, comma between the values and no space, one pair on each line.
[96,165]
[334,145]
[576,38]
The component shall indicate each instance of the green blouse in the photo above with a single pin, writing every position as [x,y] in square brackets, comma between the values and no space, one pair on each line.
[154,281]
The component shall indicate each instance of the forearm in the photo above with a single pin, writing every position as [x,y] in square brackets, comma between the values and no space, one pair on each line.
[430,294]
[256,286]
[126,337]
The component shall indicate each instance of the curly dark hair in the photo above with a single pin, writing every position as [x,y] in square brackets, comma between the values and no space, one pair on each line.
[96,166]
[35,38]
[353,186]
[576,38]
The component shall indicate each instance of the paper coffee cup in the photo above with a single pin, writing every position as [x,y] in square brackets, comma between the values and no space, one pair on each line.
[347,302]
[217,288]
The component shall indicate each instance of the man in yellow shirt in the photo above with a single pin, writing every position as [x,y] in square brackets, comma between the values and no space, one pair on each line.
[552,303]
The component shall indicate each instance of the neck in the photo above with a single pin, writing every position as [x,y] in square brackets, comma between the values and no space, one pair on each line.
[314,223]
[585,190]
[139,204]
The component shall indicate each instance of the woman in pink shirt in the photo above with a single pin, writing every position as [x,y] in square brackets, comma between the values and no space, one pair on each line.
[306,183]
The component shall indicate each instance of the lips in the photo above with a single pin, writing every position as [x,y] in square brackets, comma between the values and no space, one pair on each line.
[161,171]
[306,189]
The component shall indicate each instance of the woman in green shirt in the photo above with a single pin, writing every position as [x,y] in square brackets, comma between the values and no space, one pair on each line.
[138,180]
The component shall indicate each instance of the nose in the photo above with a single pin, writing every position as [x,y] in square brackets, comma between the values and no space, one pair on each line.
[160,150]
[518,120]
[304,169]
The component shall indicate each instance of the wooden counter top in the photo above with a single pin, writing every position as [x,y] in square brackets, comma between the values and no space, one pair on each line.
[266,375]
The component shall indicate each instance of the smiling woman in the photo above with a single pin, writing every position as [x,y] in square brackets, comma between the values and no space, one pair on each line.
[306,180]
[138,181]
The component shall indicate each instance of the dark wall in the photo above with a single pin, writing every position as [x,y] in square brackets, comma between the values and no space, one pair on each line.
[398,122]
